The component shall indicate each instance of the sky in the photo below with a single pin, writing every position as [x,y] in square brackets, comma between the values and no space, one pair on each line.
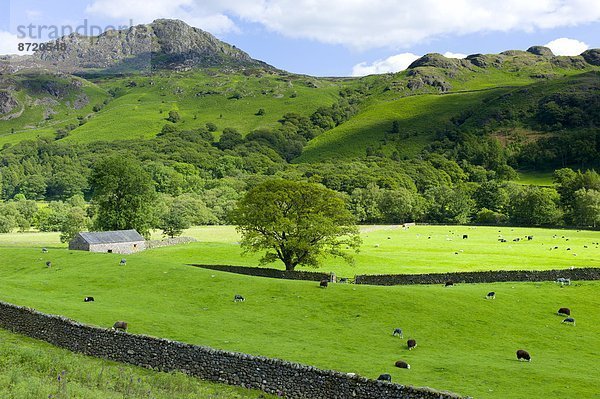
[330,37]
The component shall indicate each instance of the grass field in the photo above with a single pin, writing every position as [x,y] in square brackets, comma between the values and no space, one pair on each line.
[31,369]
[392,249]
[466,343]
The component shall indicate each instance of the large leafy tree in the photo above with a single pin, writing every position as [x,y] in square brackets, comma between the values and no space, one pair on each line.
[295,222]
[123,194]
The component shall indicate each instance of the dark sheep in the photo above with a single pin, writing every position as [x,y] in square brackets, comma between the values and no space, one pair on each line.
[44,250]
[123,262]
[238,298]
[411,344]
[48,264]
[398,332]
[517,239]
[448,284]
[402,364]
[523,355]
[564,312]
[323,283]
[384,377]
[120,325]
[569,320]
[529,238]
[465,236]
[88,299]
[491,295]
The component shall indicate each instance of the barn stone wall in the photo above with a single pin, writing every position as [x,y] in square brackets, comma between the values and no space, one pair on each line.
[119,247]
[588,273]
[274,376]
[267,272]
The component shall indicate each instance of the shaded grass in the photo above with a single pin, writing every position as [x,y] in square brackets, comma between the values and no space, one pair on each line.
[35,369]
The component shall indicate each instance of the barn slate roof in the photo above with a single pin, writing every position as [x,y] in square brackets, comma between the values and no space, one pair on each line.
[111,237]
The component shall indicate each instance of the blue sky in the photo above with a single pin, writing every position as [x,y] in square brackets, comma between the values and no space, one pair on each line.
[336,37]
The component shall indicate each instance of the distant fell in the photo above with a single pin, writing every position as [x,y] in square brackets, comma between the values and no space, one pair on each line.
[163,44]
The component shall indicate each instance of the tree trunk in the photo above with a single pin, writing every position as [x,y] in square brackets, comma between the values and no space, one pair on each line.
[289,266]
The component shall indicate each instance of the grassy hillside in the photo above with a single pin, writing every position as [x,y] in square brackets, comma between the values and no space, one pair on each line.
[466,343]
[137,106]
[35,369]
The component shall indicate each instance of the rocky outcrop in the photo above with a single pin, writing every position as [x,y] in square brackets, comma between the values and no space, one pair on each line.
[7,102]
[592,56]
[164,43]
[541,51]
[435,60]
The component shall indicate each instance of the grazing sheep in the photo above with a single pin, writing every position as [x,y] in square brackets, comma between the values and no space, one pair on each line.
[564,312]
[402,364]
[449,283]
[569,320]
[48,264]
[411,344]
[120,325]
[398,332]
[123,262]
[517,239]
[491,295]
[88,299]
[563,281]
[523,355]
[465,236]
[238,298]
[323,283]
[44,250]
[529,238]
[384,377]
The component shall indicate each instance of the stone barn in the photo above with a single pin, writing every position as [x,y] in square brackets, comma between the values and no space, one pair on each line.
[117,242]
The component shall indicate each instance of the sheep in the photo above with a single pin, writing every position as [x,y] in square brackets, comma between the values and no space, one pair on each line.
[465,236]
[563,281]
[120,325]
[398,332]
[491,295]
[123,262]
[523,355]
[88,299]
[44,250]
[402,364]
[569,320]
[385,377]
[238,298]
[529,238]
[449,283]
[48,264]
[323,284]
[411,344]
[564,312]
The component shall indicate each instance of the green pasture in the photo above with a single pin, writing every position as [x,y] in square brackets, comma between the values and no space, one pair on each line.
[466,343]
[391,249]
[30,369]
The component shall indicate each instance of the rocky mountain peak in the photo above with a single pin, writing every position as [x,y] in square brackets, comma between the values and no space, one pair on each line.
[163,44]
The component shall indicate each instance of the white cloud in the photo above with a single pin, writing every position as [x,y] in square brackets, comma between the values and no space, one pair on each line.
[564,46]
[395,63]
[195,13]
[9,44]
[449,54]
[363,24]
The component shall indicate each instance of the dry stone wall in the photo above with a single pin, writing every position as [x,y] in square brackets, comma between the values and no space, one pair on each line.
[588,273]
[267,272]
[274,376]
